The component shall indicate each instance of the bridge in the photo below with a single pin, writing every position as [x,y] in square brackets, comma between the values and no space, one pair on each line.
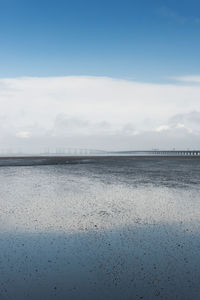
[92,152]
[158,152]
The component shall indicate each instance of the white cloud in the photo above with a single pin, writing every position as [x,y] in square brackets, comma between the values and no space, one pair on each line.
[188,79]
[192,117]
[173,128]
[179,125]
[96,112]
[23,134]
[162,128]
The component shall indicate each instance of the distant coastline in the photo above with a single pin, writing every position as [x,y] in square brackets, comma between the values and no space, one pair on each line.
[36,160]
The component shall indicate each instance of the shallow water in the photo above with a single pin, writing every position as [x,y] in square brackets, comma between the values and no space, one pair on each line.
[101,228]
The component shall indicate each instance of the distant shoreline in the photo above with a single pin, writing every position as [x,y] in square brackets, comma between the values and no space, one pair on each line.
[64,160]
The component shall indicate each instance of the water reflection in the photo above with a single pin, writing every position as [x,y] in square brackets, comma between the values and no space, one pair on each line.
[140,262]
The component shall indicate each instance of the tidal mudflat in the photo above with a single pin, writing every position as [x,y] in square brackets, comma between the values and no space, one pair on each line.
[100,228]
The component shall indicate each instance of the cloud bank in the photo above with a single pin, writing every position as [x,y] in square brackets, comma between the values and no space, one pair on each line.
[98,112]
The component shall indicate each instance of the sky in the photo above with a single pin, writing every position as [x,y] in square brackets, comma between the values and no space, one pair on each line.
[111,75]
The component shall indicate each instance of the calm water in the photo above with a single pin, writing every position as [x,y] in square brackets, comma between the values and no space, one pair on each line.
[101,228]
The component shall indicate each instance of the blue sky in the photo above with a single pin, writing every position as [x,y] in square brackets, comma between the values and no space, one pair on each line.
[139,39]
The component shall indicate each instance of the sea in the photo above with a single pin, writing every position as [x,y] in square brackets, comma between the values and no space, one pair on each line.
[100,228]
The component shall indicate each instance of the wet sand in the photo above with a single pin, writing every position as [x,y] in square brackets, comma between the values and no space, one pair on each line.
[105,228]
